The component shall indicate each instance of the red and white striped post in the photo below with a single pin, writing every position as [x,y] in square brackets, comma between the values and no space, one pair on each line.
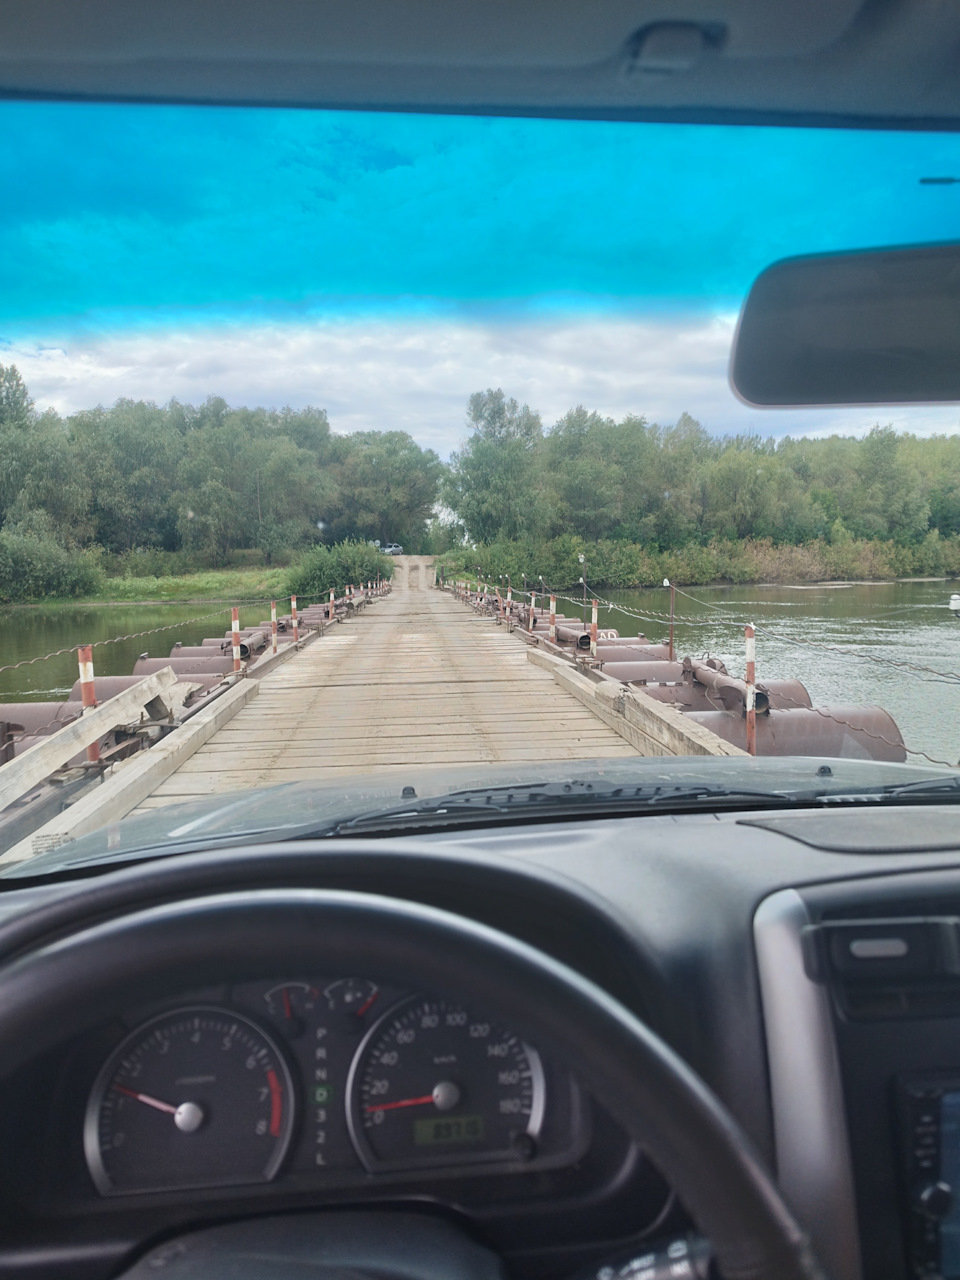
[509,599]
[594,607]
[330,611]
[88,692]
[235,615]
[273,623]
[533,606]
[293,615]
[673,597]
[553,619]
[751,645]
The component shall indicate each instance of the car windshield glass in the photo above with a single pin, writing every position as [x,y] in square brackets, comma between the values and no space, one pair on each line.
[447,398]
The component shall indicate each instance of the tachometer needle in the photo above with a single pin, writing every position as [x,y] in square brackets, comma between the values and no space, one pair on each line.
[145,1097]
[403,1102]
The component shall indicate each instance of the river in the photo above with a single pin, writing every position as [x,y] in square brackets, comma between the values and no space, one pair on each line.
[902,621]
[29,631]
[899,621]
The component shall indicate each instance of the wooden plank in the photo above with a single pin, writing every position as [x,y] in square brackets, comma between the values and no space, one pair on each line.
[25,771]
[499,750]
[430,684]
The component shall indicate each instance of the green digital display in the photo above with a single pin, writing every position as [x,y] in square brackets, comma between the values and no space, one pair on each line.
[446,1130]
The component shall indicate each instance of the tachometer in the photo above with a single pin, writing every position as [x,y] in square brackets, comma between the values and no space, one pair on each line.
[200,1097]
[434,1084]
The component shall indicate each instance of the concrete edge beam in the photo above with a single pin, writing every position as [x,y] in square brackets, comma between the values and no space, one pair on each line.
[653,728]
[136,778]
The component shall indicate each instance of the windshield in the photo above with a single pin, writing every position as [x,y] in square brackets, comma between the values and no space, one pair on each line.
[447,399]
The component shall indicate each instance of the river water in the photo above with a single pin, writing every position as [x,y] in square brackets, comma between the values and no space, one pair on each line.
[900,621]
[892,621]
[29,631]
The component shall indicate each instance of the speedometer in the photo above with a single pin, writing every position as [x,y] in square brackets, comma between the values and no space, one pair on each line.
[434,1084]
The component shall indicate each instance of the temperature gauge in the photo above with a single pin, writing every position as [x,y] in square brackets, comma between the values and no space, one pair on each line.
[294,1005]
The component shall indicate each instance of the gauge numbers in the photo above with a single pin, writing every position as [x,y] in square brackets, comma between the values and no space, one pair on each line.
[199,1097]
[433,1084]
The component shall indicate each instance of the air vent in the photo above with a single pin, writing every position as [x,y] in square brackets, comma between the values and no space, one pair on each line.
[888,968]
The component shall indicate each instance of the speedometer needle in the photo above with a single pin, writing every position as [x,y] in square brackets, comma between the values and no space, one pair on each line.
[403,1102]
[145,1097]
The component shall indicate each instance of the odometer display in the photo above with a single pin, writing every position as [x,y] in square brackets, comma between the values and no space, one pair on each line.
[433,1083]
[442,1133]
[200,1097]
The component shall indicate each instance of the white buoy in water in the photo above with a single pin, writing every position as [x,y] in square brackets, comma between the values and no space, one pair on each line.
[955,604]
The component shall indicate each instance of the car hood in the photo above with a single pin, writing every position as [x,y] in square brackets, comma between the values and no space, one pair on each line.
[284,812]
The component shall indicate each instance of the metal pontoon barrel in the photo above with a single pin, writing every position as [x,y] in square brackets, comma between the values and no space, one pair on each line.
[846,732]
[184,666]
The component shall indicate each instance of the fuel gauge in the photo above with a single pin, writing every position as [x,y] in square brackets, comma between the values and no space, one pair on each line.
[351,999]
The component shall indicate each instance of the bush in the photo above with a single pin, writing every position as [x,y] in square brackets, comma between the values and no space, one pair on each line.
[32,568]
[610,565]
[345,563]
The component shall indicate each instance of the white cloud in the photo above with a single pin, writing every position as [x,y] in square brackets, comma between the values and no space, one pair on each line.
[415,374]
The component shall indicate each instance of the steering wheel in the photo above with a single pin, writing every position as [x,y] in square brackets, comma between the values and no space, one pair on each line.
[65,986]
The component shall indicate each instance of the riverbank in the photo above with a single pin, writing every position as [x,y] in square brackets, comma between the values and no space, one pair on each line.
[620,565]
[229,585]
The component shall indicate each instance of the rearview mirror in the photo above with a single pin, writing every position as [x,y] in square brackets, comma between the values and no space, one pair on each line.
[874,327]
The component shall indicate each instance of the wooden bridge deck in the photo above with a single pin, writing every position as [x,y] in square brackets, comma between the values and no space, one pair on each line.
[417,680]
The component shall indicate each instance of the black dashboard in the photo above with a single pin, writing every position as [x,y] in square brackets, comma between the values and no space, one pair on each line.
[806,966]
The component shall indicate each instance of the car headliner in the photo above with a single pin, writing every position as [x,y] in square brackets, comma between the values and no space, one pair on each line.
[883,63]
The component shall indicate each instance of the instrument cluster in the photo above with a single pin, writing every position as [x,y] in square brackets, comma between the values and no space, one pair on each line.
[323,1079]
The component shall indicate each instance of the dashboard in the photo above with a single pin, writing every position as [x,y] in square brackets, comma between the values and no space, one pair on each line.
[768,952]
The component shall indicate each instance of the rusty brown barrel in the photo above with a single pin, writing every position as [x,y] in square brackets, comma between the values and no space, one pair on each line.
[731,693]
[647,672]
[691,695]
[217,665]
[612,653]
[604,640]
[192,651]
[108,687]
[569,631]
[39,717]
[848,732]
[252,643]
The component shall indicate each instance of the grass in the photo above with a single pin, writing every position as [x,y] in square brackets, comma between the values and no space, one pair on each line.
[229,585]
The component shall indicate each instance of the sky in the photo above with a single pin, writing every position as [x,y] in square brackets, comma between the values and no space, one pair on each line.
[386,266]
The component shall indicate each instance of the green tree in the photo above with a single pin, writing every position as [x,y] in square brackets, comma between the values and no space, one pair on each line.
[494,486]
[386,488]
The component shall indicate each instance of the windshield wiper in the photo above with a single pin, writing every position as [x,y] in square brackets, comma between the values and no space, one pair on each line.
[538,801]
[946,788]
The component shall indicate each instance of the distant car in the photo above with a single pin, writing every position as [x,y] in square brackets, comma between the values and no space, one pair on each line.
[393,549]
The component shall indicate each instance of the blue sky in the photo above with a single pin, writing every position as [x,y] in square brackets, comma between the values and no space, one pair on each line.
[140,246]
